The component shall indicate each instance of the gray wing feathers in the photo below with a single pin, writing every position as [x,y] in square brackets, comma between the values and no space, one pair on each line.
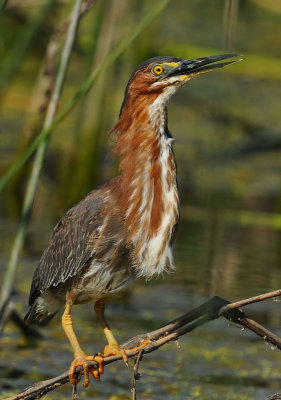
[70,247]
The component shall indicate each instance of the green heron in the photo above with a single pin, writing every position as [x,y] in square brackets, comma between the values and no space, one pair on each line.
[126,228]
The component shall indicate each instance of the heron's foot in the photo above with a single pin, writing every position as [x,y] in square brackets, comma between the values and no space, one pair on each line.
[113,349]
[145,343]
[82,359]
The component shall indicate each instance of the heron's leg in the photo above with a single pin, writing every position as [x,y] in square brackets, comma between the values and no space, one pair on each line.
[113,347]
[80,358]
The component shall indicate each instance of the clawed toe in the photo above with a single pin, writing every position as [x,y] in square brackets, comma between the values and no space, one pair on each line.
[83,361]
[145,343]
[115,350]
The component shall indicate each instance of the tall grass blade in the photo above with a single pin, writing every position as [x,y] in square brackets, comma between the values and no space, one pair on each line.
[37,164]
[13,61]
[3,4]
[84,89]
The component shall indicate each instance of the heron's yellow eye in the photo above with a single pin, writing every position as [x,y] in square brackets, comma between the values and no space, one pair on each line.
[158,69]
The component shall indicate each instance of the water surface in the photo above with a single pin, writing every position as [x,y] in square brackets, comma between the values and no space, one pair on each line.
[216,361]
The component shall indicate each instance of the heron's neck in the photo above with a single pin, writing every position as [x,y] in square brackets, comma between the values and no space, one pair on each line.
[144,148]
[148,188]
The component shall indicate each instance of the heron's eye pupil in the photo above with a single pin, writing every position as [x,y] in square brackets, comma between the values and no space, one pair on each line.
[158,69]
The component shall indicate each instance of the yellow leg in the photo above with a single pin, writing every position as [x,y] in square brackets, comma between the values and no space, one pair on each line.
[80,358]
[113,348]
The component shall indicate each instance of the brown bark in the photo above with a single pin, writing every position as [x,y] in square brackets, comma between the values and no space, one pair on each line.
[212,309]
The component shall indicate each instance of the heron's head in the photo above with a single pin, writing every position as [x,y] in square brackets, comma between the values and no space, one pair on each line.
[159,77]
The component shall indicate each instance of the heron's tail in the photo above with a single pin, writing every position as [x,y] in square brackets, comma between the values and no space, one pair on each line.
[39,313]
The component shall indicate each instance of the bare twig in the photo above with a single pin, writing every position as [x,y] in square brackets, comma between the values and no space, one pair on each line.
[74,392]
[250,300]
[212,309]
[136,375]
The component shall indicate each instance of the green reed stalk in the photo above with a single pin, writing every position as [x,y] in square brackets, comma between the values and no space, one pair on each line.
[2,4]
[39,157]
[84,89]
[11,64]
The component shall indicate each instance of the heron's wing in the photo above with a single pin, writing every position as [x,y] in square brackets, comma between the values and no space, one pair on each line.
[74,242]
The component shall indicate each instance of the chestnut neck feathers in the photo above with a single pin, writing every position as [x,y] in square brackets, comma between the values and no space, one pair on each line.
[147,193]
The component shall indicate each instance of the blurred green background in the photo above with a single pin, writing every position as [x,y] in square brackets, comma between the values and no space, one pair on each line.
[227,128]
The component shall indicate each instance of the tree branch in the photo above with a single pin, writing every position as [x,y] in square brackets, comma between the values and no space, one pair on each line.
[255,299]
[212,309]
[136,375]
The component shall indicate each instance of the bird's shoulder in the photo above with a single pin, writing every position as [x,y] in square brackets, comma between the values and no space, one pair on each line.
[89,213]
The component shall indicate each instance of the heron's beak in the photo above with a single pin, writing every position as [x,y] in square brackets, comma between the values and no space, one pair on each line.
[197,66]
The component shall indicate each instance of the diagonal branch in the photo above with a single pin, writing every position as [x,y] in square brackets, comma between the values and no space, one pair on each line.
[250,300]
[210,310]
